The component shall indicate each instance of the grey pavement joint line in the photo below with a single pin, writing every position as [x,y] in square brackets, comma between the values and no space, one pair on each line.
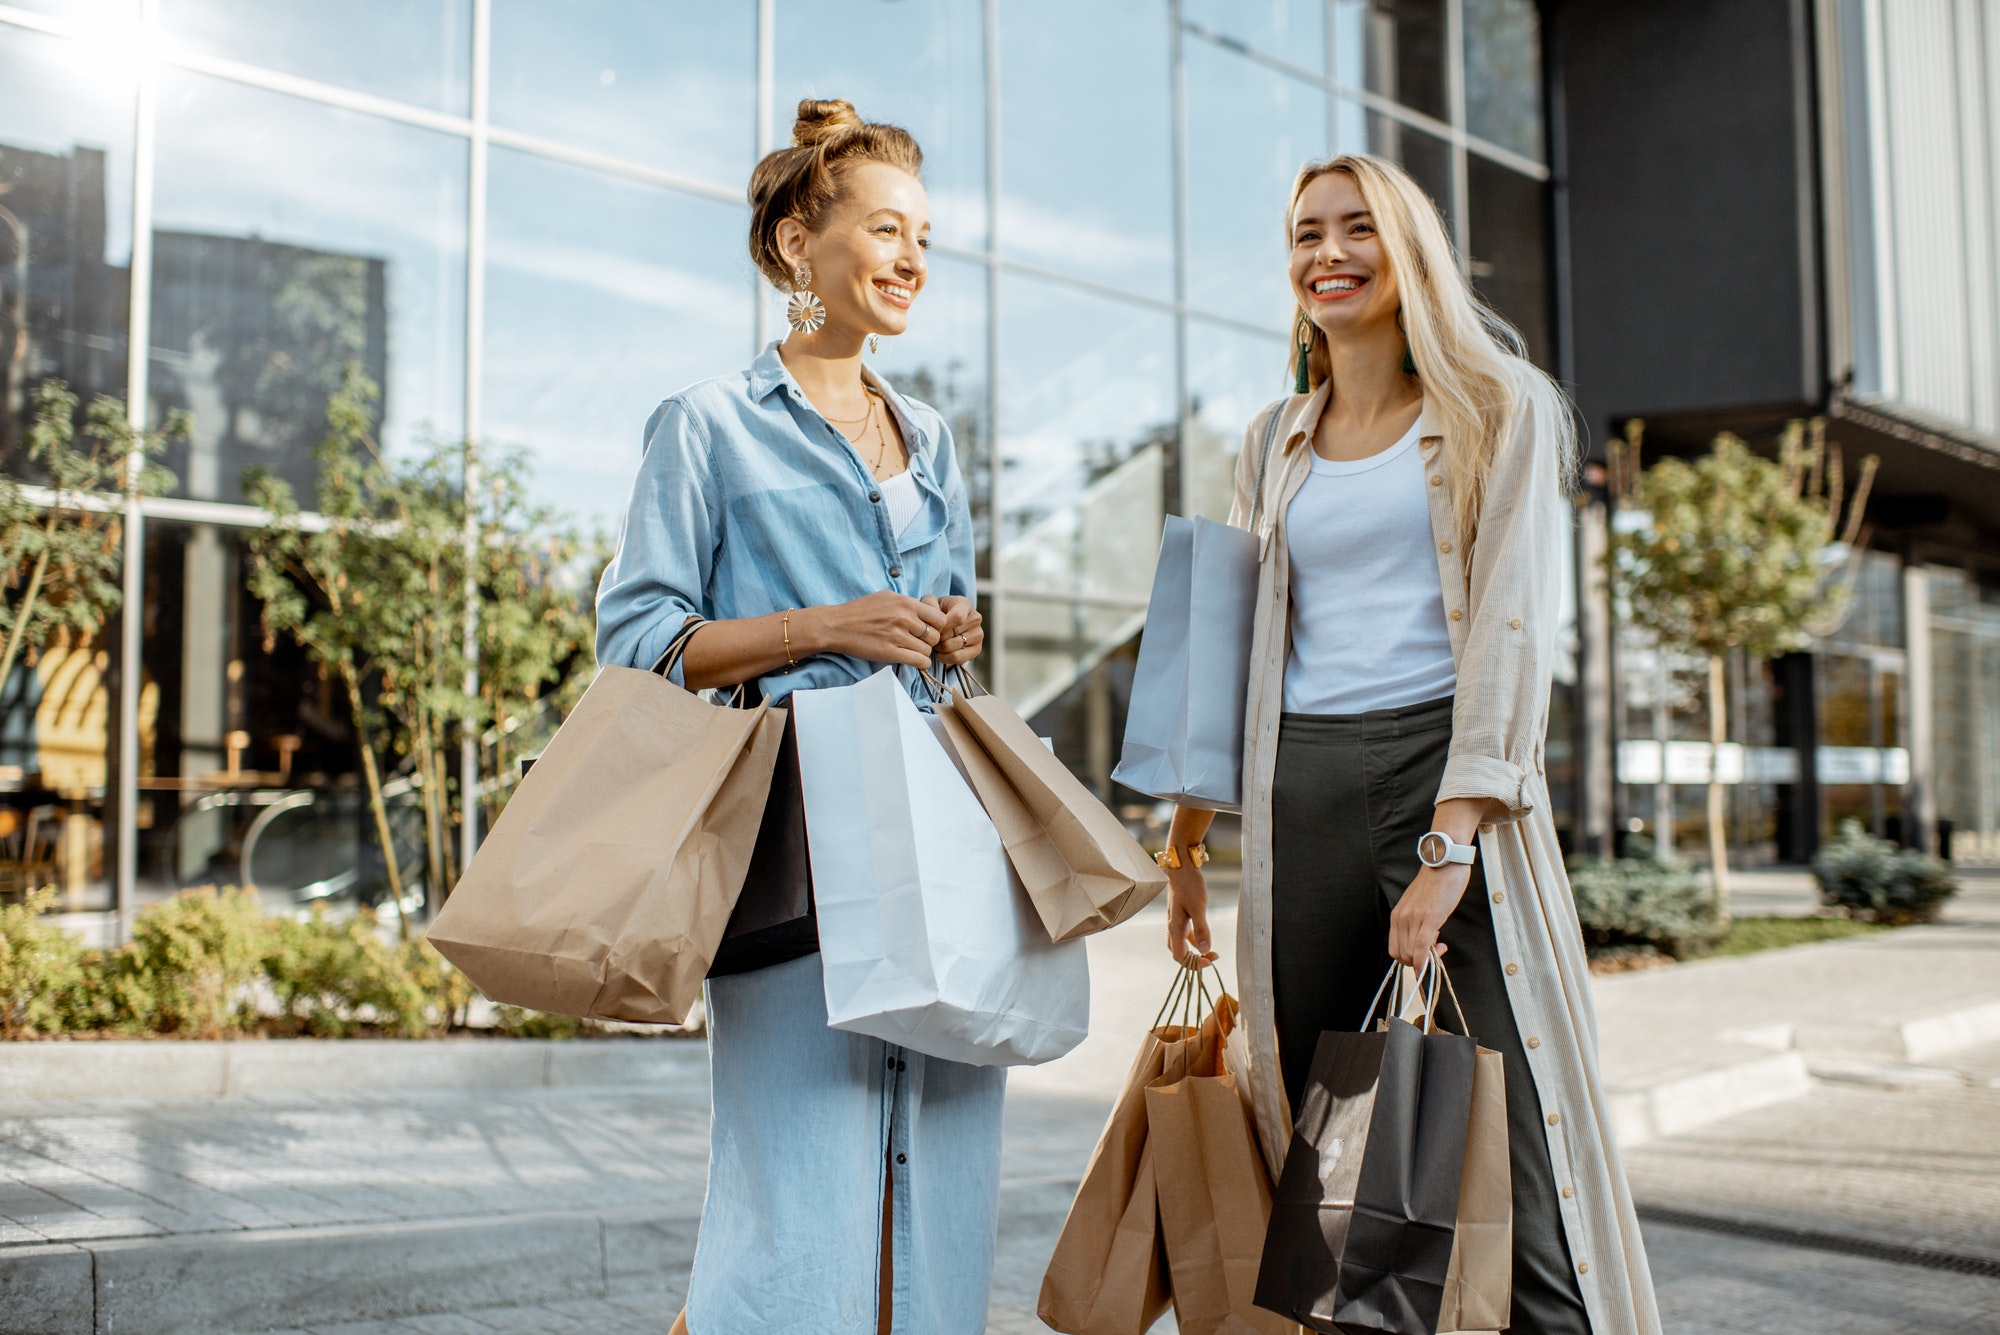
[1812,1239]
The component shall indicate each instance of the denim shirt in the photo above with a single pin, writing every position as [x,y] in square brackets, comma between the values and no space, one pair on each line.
[749,502]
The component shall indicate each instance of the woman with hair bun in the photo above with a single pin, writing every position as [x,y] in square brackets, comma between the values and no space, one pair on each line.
[799,524]
[1410,501]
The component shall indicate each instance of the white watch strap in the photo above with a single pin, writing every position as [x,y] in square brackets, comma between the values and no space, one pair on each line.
[1453,850]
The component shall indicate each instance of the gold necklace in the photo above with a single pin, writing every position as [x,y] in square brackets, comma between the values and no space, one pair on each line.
[854,421]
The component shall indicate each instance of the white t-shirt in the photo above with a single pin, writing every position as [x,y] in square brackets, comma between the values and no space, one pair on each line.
[1368,626]
[900,494]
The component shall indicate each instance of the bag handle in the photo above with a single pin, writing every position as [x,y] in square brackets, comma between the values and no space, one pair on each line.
[1431,983]
[677,649]
[1264,463]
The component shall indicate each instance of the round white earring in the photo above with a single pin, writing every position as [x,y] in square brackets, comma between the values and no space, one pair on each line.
[805,313]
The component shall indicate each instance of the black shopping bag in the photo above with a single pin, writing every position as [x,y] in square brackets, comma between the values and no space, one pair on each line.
[1365,1211]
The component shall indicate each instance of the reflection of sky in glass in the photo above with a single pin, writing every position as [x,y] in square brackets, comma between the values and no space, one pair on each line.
[1422,154]
[1503,73]
[603,296]
[918,66]
[1250,129]
[413,53]
[1292,30]
[1231,376]
[87,10]
[668,83]
[55,95]
[236,161]
[1085,380]
[1086,148]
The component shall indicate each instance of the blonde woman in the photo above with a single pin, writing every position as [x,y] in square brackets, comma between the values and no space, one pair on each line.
[1413,514]
[800,524]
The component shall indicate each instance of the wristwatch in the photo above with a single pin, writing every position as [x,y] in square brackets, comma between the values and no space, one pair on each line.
[1436,848]
[1170,859]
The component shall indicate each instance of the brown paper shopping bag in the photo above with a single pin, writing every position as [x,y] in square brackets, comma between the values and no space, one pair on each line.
[604,887]
[1081,868]
[1108,1275]
[1479,1284]
[1215,1195]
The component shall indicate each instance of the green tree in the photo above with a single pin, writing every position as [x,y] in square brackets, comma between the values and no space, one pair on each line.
[1734,551]
[375,588]
[59,555]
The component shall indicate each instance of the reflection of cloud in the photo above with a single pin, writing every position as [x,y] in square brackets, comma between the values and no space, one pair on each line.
[622,276]
[1069,240]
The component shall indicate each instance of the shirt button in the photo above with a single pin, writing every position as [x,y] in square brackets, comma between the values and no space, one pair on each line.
[1444,546]
[1515,624]
[1536,1042]
[1456,614]
[1555,1119]
[1583,1267]
[1513,969]
[895,572]
[1568,1192]
[1499,897]
[875,496]
[1436,481]
[902,1158]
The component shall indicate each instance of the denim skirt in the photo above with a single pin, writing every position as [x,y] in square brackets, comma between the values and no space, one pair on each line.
[804,1119]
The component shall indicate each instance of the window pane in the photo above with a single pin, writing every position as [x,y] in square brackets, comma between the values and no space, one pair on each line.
[1249,131]
[603,296]
[1231,376]
[1510,250]
[668,83]
[1422,154]
[291,239]
[248,758]
[942,361]
[412,53]
[1086,148]
[935,88]
[1503,74]
[88,11]
[1292,30]
[1086,429]
[1395,48]
[65,225]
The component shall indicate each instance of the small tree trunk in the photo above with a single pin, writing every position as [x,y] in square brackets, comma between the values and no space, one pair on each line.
[379,807]
[26,610]
[433,836]
[1718,831]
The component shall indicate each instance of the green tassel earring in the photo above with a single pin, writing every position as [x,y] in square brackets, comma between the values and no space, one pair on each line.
[1409,362]
[1302,335]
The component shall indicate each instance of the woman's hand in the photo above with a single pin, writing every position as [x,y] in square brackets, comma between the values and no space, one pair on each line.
[1187,914]
[1421,912]
[964,635]
[885,627]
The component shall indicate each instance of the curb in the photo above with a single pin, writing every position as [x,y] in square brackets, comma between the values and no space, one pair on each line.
[283,1279]
[208,1069]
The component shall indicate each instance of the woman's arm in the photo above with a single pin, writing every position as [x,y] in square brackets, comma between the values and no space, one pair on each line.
[666,549]
[883,627]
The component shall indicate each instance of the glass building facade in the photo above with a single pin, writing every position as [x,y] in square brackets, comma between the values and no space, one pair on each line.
[525,219]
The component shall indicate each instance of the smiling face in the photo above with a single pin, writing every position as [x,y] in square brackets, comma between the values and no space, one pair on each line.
[868,262]
[1340,271]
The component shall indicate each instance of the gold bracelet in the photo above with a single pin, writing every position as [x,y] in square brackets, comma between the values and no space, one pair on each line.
[1169,857]
[786,626]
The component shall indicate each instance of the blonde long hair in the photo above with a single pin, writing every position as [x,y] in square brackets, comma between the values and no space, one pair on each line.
[1476,375]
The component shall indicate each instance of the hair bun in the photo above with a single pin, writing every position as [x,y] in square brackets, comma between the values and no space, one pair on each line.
[820,121]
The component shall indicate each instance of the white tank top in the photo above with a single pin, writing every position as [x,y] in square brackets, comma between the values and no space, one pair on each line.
[900,494]
[1368,625]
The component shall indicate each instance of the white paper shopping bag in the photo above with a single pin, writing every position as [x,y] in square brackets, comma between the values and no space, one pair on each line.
[927,938]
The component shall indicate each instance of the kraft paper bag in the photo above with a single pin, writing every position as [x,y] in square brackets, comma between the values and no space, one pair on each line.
[1479,1286]
[1080,867]
[927,938]
[604,888]
[1184,728]
[1215,1196]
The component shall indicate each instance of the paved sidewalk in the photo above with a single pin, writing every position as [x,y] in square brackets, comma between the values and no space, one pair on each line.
[574,1207]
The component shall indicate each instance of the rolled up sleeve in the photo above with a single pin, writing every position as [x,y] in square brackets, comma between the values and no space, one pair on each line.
[1514,606]
[666,550]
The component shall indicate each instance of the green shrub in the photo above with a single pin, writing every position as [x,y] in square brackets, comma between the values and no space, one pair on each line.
[190,964]
[1642,902]
[518,1022]
[41,969]
[1874,879]
[331,977]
